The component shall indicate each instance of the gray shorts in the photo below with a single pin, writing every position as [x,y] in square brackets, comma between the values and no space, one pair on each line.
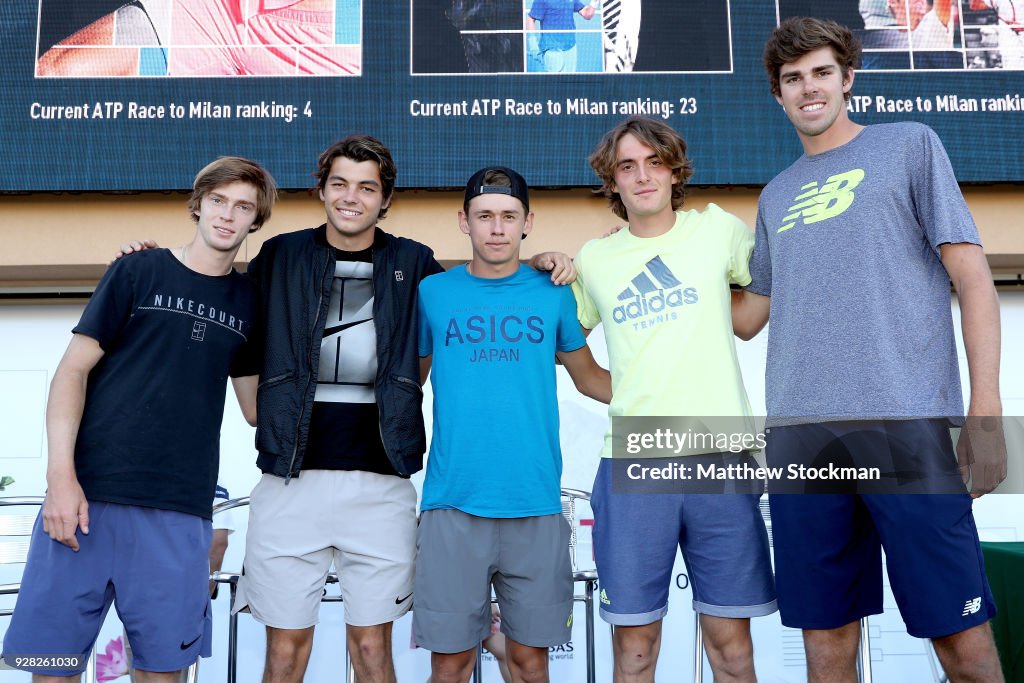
[460,556]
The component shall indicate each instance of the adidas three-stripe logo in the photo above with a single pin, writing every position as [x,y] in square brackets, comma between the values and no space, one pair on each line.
[651,292]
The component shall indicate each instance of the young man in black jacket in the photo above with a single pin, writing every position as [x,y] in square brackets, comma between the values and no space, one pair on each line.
[340,426]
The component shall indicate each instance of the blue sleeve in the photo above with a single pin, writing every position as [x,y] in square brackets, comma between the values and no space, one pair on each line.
[220,494]
[761,258]
[570,337]
[426,340]
[577,6]
[112,304]
[537,11]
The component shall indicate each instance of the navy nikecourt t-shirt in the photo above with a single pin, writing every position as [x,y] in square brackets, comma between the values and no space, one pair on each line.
[150,432]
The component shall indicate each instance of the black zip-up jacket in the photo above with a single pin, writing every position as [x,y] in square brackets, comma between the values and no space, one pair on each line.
[293,273]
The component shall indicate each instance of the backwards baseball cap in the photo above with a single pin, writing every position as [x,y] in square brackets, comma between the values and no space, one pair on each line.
[517,186]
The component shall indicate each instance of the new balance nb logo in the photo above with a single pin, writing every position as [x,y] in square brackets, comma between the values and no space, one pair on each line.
[972,607]
[651,294]
[820,203]
[198,331]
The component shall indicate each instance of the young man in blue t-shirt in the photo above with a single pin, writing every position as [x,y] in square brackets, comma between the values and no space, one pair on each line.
[133,429]
[490,331]
[857,242]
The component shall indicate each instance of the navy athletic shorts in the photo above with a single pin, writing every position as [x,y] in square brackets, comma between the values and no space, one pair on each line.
[828,546]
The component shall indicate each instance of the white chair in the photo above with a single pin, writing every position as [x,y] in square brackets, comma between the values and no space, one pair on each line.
[17,517]
[864,653]
[586,576]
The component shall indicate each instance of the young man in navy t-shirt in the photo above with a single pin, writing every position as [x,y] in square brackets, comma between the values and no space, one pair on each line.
[133,425]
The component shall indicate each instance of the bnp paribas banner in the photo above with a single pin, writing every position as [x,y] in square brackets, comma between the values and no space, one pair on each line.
[114,95]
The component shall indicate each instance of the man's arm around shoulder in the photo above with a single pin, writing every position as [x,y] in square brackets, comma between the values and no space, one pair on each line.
[133,247]
[65,508]
[561,267]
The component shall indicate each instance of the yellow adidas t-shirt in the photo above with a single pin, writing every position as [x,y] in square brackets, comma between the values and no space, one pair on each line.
[666,309]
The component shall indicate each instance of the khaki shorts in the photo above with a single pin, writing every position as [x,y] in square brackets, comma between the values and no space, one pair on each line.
[362,523]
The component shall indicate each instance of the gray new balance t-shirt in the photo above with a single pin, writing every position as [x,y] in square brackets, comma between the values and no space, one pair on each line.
[848,249]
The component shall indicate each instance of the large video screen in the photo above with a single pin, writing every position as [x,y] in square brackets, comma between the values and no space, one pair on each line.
[121,96]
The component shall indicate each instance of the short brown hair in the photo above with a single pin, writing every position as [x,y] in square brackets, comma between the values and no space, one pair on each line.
[667,144]
[227,170]
[360,148]
[798,36]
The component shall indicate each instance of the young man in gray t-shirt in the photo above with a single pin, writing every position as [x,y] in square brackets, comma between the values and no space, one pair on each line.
[857,242]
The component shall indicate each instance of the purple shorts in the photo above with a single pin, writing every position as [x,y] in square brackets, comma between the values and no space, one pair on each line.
[152,564]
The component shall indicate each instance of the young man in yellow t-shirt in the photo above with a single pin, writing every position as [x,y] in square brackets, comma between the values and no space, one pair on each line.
[661,289]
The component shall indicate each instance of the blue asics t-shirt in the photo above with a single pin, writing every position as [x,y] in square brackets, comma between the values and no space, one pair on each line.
[494,450]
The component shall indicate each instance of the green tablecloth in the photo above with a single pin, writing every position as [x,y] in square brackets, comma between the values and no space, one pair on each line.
[1004,564]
